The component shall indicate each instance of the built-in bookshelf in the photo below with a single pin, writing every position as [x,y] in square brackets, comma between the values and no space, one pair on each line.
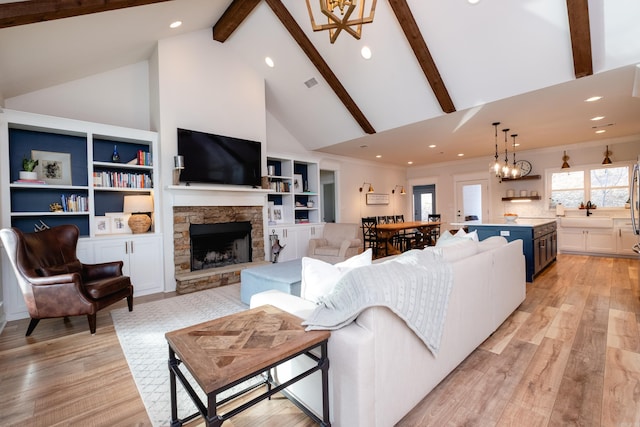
[84,171]
[295,197]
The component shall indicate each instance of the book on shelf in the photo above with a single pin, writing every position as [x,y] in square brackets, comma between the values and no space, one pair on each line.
[121,180]
[144,158]
[74,203]
[29,181]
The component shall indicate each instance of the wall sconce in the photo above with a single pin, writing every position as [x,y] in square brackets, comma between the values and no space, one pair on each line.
[370,190]
[607,160]
[402,192]
[565,165]
[178,165]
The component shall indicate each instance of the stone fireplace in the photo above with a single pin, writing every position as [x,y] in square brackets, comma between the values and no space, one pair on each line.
[236,220]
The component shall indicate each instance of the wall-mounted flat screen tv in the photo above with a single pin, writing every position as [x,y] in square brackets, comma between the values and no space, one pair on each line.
[218,159]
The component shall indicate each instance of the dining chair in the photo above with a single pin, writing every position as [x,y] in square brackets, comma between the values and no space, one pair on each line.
[434,232]
[370,234]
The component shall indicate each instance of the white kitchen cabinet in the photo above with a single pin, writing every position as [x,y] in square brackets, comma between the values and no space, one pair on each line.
[141,256]
[587,240]
[625,239]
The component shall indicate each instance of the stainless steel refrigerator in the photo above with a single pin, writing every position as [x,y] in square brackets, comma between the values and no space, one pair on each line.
[635,204]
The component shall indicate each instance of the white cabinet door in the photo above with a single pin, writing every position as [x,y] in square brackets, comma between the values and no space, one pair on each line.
[571,239]
[146,266]
[625,241]
[287,238]
[601,240]
[295,240]
[141,257]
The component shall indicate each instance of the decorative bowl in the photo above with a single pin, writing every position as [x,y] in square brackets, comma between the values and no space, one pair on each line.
[510,217]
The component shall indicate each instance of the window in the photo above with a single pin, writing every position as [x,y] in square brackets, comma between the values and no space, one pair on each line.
[610,186]
[606,187]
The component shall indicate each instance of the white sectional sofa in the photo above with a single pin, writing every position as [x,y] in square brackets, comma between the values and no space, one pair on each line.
[379,368]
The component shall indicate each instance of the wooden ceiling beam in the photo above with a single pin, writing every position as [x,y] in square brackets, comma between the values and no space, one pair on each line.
[421,51]
[231,19]
[34,11]
[323,68]
[578,12]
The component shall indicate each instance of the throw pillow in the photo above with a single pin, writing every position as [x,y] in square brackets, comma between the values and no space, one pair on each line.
[464,235]
[319,277]
[448,239]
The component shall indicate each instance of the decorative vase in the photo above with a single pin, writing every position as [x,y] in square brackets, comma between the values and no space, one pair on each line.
[115,157]
[28,175]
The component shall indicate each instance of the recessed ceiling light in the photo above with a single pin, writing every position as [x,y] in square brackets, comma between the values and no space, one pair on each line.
[378,156]
[409,163]
[365,52]
[175,24]
[597,118]
[473,1]
[601,131]
[269,62]
[460,154]
[593,99]
[432,146]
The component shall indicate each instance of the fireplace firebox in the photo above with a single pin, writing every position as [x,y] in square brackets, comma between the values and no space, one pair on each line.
[218,245]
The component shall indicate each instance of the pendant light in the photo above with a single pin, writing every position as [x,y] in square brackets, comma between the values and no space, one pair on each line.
[505,168]
[565,165]
[495,167]
[515,171]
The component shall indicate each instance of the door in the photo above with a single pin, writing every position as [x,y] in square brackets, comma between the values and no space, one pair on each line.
[472,199]
[424,201]
[328,195]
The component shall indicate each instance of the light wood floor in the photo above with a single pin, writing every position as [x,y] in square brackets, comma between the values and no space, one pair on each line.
[570,355]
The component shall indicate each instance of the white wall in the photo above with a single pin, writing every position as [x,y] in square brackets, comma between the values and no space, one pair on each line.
[200,85]
[118,97]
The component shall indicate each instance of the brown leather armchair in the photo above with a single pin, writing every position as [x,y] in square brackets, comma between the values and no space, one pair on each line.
[55,283]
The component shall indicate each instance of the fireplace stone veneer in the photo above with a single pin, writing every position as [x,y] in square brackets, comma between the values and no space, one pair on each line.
[183,216]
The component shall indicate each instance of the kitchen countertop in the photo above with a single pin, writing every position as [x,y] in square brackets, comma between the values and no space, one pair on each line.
[501,222]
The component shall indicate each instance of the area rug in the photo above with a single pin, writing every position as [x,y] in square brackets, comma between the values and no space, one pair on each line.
[141,334]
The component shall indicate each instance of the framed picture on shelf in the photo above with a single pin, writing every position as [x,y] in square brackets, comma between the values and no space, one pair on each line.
[102,225]
[271,221]
[53,168]
[298,185]
[119,222]
[278,214]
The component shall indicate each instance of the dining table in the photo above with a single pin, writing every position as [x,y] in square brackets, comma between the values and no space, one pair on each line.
[386,232]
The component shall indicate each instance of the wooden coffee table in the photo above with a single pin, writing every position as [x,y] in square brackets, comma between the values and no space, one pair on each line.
[225,352]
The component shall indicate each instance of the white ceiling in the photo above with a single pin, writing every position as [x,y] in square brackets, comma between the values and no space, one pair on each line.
[501,60]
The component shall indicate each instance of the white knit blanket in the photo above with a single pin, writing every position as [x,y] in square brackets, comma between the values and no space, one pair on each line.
[415,286]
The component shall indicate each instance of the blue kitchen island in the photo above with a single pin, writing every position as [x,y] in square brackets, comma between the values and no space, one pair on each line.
[539,237]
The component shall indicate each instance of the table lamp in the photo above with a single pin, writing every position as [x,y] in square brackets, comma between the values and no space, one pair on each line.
[139,207]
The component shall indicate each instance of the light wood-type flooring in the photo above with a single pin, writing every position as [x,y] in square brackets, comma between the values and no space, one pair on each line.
[570,355]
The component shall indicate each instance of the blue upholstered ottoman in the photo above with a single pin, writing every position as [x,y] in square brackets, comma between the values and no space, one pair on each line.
[283,276]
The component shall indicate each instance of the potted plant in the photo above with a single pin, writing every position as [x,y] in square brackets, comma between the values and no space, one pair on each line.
[28,166]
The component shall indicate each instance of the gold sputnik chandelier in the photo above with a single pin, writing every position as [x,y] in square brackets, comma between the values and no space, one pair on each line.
[339,14]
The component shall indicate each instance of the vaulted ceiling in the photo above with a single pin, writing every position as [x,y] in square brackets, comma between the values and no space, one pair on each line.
[440,74]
